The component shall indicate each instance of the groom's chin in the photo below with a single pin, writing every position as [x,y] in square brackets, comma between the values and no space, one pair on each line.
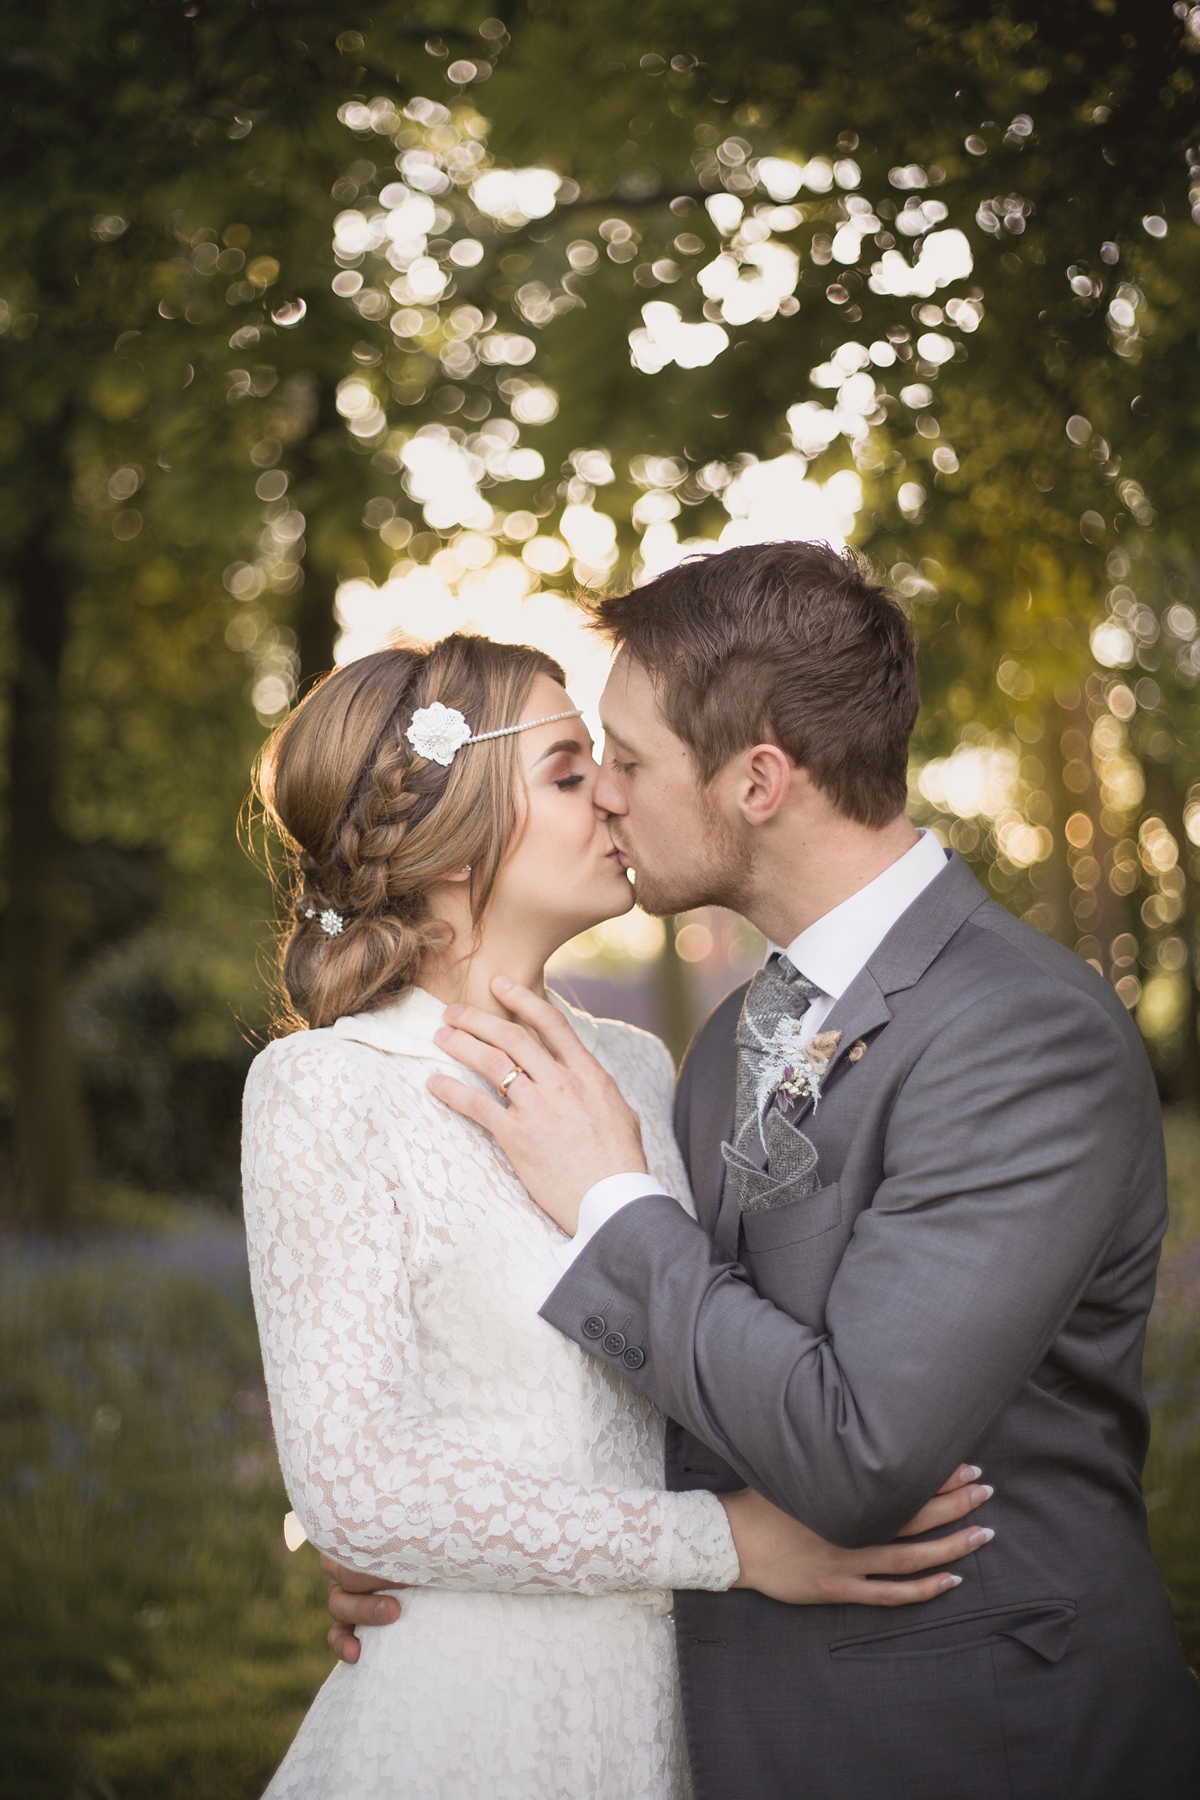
[661,899]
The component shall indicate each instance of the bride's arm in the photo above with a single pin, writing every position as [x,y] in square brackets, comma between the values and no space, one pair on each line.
[378,1482]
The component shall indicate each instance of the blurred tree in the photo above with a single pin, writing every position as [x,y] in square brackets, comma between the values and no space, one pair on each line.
[149,157]
[284,311]
[1019,400]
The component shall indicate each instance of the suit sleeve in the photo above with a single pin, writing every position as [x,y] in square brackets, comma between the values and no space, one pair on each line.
[1010,1155]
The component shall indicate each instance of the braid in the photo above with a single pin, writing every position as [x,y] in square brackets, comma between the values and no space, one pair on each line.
[374,830]
[369,826]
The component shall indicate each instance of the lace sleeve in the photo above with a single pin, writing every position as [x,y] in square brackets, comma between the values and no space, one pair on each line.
[378,1481]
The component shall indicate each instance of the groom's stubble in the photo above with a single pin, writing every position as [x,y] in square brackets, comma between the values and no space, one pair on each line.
[716,873]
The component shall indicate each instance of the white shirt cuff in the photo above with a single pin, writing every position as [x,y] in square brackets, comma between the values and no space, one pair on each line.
[602,1202]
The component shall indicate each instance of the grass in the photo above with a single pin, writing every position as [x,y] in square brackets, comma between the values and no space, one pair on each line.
[157,1642]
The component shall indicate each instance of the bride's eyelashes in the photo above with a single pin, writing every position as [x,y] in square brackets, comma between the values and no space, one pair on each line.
[568,781]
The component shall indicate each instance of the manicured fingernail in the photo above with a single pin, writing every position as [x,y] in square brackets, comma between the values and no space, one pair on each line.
[969,1472]
[456,1011]
[983,1534]
[383,1613]
[980,1494]
[951,1581]
[502,982]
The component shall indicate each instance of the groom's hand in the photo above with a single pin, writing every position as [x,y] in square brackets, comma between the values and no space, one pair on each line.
[565,1125]
[355,1599]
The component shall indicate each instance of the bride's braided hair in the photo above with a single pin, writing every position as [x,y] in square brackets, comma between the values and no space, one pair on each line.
[367,825]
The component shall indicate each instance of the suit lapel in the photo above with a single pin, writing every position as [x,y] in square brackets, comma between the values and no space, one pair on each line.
[713,1093]
[861,1009]
[914,942]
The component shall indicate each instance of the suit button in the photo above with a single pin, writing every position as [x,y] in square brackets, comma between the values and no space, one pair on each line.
[614,1343]
[633,1357]
[593,1327]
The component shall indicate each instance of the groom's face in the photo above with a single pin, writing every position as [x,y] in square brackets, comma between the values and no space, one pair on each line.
[667,825]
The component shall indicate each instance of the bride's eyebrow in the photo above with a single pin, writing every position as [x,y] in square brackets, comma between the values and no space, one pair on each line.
[571,744]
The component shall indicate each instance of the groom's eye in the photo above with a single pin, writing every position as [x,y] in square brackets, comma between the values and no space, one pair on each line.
[622,768]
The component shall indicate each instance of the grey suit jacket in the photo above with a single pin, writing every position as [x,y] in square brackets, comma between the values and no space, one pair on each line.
[969,1282]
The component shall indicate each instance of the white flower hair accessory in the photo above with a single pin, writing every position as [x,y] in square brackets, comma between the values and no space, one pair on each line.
[439,732]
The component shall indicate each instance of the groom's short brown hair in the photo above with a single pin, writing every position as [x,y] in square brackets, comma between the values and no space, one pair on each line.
[794,644]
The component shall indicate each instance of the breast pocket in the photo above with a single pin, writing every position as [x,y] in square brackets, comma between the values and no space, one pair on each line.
[791,1252]
[787,1222]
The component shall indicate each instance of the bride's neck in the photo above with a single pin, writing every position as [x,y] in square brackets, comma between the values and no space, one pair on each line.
[463,973]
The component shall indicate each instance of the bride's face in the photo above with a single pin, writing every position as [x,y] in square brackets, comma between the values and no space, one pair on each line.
[563,873]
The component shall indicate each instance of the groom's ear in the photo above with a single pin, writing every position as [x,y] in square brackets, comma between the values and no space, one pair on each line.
[764,777]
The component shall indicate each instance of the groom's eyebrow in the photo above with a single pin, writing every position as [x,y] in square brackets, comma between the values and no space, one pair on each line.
[571,744]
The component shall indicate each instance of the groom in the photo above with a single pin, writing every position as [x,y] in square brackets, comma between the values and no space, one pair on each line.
[927,1161]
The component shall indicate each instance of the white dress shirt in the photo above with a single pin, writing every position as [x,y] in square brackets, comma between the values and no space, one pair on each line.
[831,952]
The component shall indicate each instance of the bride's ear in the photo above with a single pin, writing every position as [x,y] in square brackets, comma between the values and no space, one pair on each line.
[459,874]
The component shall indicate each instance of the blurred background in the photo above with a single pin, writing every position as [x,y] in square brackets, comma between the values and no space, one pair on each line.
[319,325]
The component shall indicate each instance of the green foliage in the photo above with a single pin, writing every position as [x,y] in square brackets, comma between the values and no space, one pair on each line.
[1173,1385]
[173,351]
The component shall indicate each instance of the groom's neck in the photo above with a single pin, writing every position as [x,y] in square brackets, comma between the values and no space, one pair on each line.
[806,865]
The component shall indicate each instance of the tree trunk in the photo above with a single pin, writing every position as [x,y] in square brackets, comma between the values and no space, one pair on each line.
[313,620]
[51,1129]
[675,1001]
[1163,796]
[315,626]
[1057,883]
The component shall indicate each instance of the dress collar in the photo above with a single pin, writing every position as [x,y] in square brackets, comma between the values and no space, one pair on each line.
[406,1027]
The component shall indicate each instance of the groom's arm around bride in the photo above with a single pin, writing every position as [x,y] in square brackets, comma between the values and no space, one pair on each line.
[934,1244]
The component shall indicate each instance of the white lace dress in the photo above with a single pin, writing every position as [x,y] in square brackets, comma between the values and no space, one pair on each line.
[433,1430]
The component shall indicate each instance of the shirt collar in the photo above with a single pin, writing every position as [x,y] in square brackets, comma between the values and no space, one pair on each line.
[833,950]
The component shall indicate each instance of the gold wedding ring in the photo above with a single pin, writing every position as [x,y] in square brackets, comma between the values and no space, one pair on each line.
[509,1079]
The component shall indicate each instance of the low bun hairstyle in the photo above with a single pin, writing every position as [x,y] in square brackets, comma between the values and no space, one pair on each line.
[367,826]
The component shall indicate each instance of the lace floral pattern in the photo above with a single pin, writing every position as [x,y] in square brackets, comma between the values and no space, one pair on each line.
[433,1430]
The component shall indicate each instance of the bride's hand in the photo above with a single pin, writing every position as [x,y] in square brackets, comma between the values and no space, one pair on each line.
[781,1558]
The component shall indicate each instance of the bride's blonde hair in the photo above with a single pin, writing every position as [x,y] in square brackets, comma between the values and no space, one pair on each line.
[366,825]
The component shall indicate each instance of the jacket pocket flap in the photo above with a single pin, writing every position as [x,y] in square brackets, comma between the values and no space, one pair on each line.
[1043,1626]
[1047,1633]
[791,1221]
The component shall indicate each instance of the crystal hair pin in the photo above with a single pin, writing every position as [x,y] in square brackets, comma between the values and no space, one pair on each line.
[439,732]
[331,923]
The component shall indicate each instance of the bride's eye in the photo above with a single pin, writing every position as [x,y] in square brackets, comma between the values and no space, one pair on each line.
[568,781]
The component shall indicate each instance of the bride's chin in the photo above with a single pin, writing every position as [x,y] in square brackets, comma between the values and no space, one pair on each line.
[611,904]
[624,899]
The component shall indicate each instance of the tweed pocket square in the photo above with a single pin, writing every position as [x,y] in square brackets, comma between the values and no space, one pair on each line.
[790,1173]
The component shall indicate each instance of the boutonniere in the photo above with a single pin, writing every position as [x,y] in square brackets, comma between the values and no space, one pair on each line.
[793,1071]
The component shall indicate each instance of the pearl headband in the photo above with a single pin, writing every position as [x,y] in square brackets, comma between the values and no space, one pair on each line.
[439,732]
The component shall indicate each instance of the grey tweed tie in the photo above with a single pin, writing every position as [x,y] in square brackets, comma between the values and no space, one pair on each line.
[779,991]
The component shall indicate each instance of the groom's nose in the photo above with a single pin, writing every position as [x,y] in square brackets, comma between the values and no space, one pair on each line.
[606,795]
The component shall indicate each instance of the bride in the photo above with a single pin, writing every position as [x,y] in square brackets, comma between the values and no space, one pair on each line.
[435,807]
